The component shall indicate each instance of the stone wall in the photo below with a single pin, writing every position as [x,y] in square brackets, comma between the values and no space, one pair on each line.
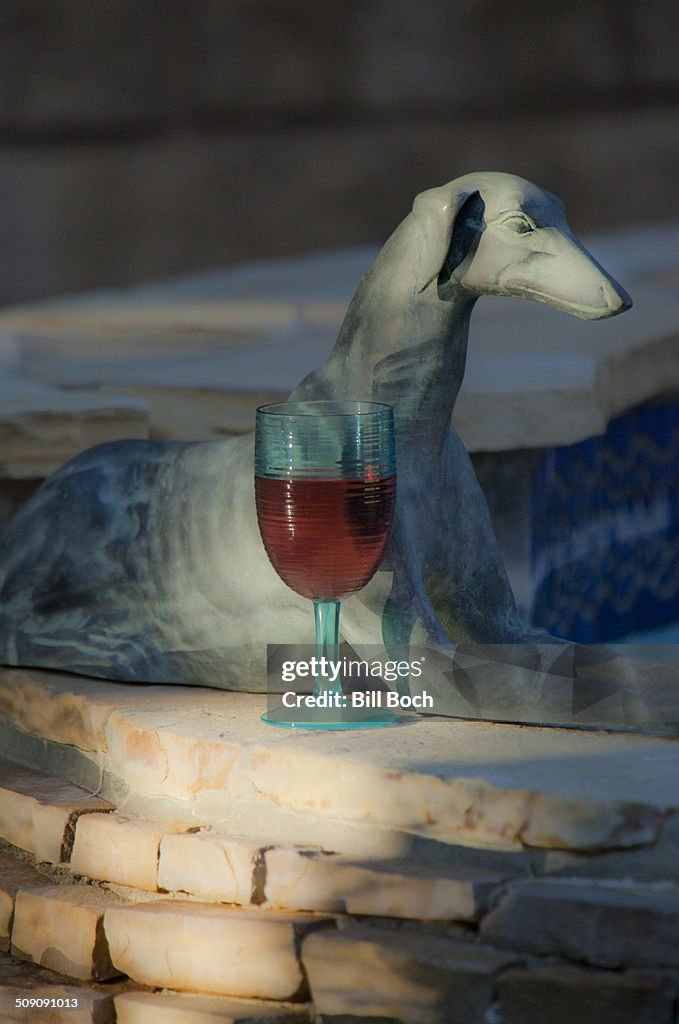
[144,139]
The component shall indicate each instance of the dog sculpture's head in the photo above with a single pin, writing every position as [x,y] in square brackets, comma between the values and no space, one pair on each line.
[496,234]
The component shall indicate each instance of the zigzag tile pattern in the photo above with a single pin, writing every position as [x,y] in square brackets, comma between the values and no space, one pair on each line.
[605,546]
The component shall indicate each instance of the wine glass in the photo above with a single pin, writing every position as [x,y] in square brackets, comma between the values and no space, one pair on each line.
[325,486]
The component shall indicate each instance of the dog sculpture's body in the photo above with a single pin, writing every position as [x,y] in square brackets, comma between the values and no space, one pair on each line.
[142,560]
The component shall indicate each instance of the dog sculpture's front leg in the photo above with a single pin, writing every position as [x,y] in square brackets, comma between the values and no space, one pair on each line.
[463,572]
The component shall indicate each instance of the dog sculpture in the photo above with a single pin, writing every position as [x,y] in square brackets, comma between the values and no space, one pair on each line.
[142,561]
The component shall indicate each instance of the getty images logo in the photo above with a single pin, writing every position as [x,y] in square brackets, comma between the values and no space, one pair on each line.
[347,668]
[349,681]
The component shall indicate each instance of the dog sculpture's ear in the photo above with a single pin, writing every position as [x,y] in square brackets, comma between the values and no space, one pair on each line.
[436,211]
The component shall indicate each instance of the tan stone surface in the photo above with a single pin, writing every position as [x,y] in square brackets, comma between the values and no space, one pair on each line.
[206,754]
[112,848]
[185,1008]
[208,948]
[205,864]
[174,753]
[310,880]
[367,972]
[61,927]
[565,995]
[620,924]
[15,874]
[38,811]
[43,426]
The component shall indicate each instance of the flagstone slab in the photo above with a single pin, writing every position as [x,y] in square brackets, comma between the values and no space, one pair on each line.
[615,924]
[208,948]
[61,927]
[239,870]
[211,759]
[311,880]
[657,863]
[111,848]
[480,783]
[38,812]
[186,1008]
[359,973]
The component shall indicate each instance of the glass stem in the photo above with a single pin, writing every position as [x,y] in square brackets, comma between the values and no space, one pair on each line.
[326,615]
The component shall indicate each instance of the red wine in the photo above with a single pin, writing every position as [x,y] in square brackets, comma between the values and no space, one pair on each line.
[325,538]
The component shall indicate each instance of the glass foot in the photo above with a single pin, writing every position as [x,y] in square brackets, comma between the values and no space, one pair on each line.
[329,718]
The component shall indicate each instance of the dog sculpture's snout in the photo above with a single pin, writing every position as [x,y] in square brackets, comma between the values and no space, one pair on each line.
[615,298]
[545,263]
[576,283]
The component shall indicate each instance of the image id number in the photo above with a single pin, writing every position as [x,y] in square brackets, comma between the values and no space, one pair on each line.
[45,1003]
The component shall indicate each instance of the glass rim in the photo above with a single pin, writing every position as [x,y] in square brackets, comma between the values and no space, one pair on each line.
[324,405]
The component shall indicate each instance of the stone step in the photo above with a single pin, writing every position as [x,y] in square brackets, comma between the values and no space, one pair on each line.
[205,758]
[239,870]
[409,973]
[38,812]
[312,880]
[185,1008]
[211,949]
[153,856]
[361,973]
[60,925]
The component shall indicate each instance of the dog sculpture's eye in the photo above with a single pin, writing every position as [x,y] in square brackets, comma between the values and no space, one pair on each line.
[519,223]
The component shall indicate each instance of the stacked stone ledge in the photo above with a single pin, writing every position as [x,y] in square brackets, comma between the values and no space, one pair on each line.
[227,928]
[168,920]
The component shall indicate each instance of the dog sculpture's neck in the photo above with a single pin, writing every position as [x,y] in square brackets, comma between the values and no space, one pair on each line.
[404,347]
